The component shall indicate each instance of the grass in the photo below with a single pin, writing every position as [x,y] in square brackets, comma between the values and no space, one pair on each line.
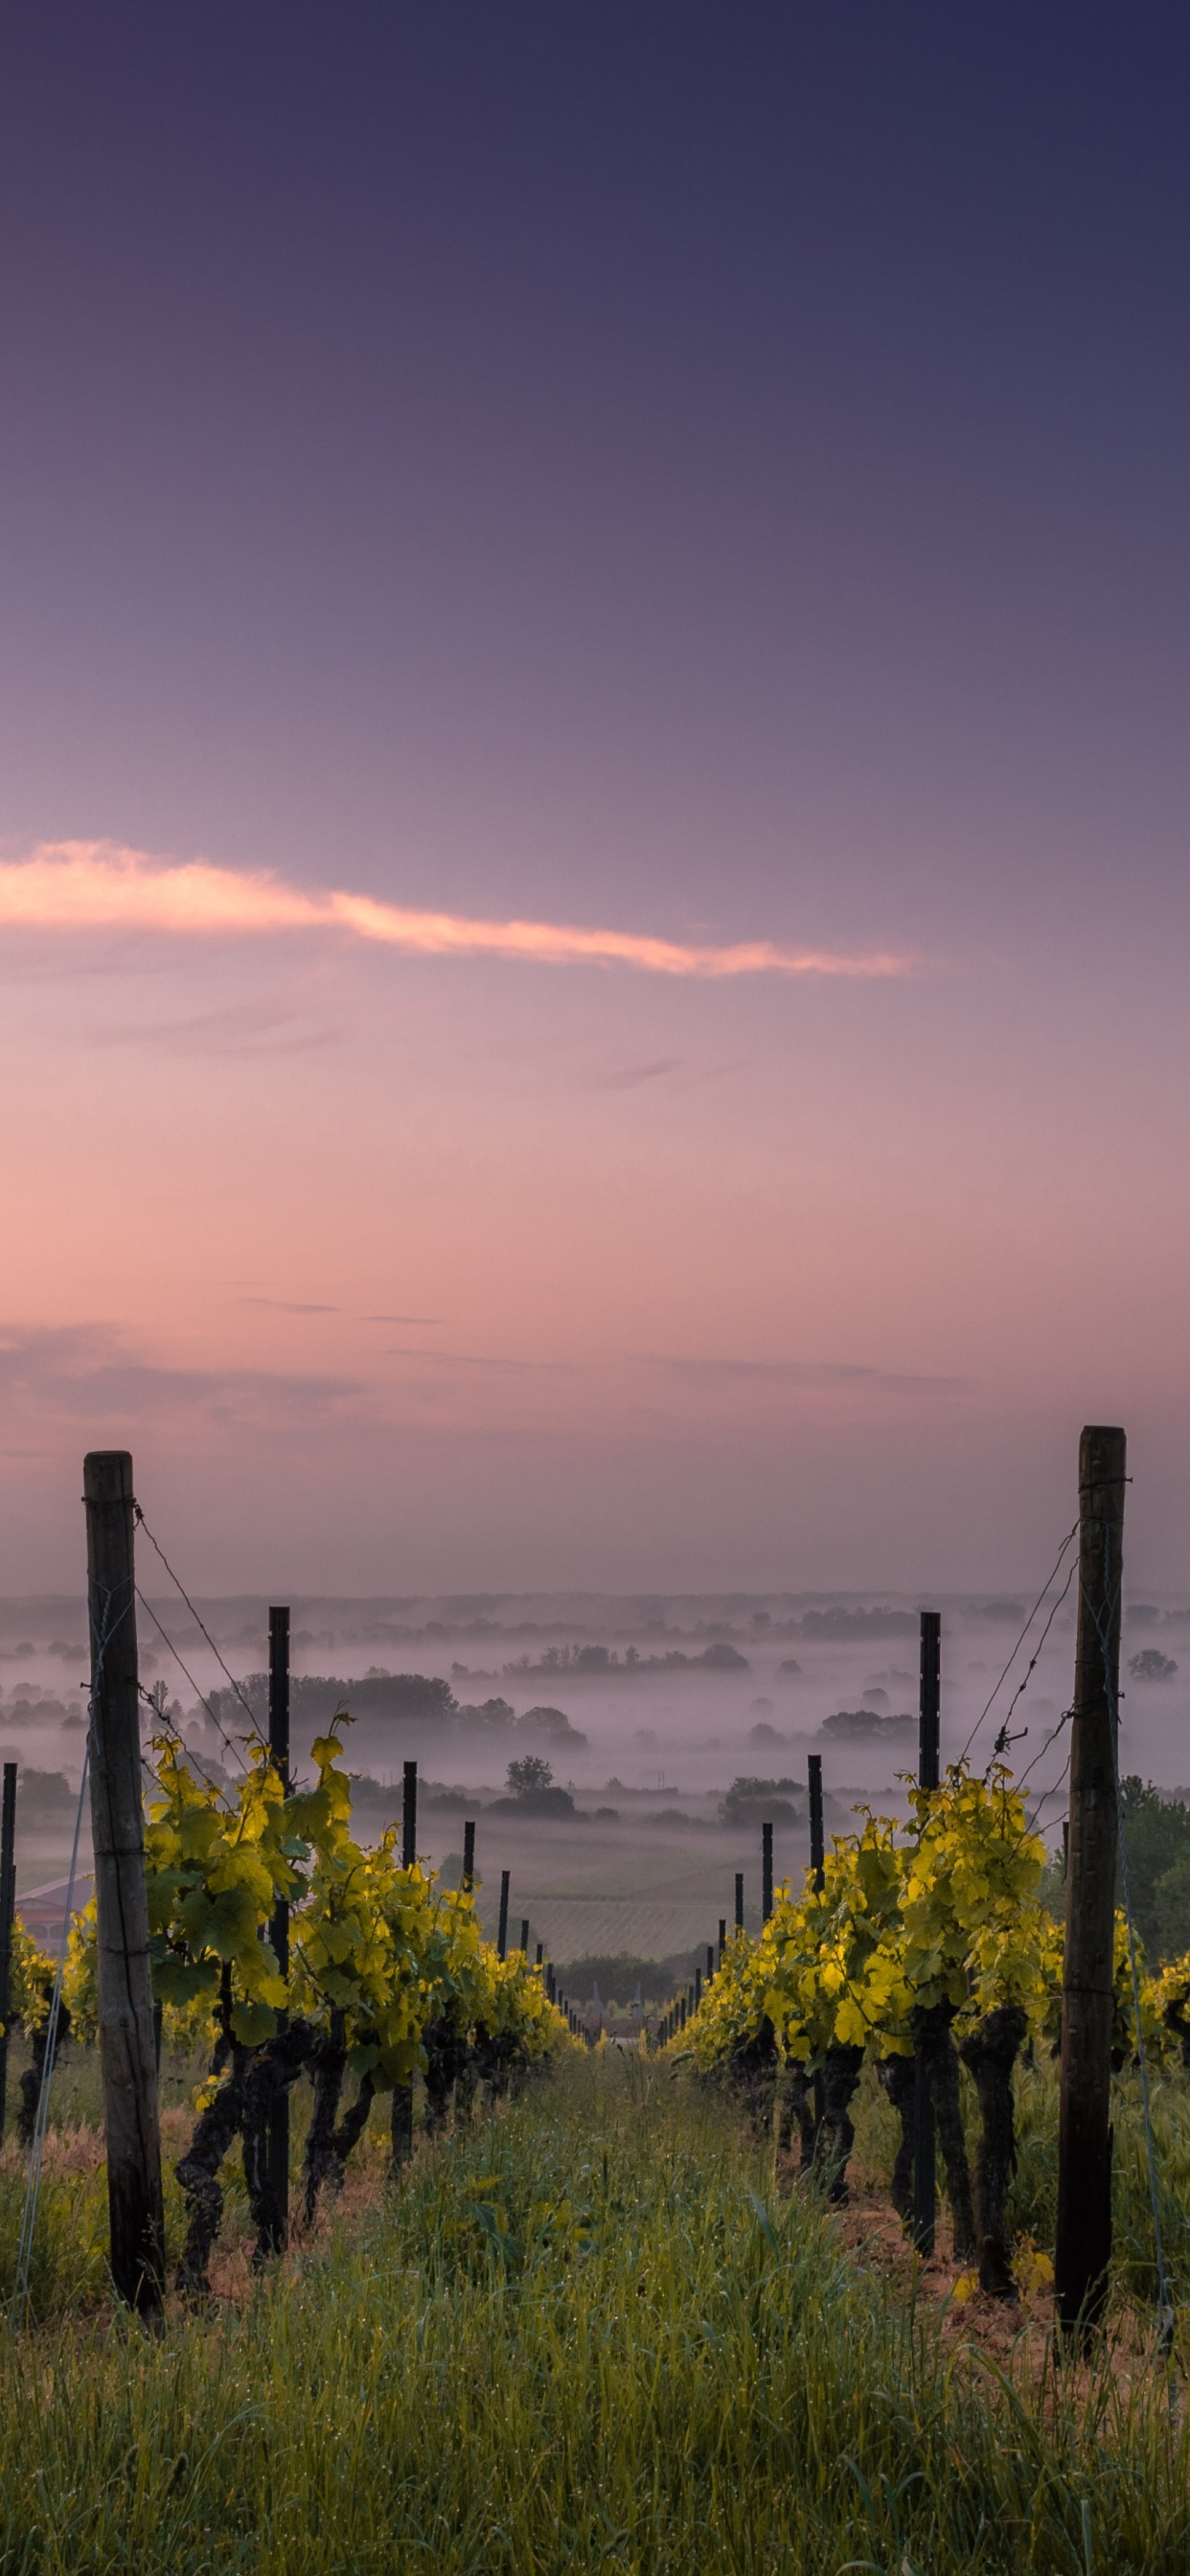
[587,2333]
[1033,2198]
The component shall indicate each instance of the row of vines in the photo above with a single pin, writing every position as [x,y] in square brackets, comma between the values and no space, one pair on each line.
[931,1945]
[389,1977]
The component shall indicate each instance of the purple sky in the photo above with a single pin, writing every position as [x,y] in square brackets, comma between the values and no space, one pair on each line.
[715,475]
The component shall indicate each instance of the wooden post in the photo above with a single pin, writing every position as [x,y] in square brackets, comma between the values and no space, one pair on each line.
[502,1934]
[925,2188]
[739,1900]
[817,1834]
[409,1816]
[722,1937]
[710,1961]
[117,1830]
[1084,2231]
[525,1937]
[818,1881]
[766,1872]
[468,1857]
[696,1997]
[278,2118]
[540,1954]
[8,1890]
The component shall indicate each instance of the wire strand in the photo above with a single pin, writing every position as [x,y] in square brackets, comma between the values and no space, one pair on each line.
[1043,1749]
[179,1586]
[1004,1739]
[215,1721]
[1071,1535]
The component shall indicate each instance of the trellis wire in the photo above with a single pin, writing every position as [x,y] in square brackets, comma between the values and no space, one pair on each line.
[1071,1535]
[220,1729]
[200,1624]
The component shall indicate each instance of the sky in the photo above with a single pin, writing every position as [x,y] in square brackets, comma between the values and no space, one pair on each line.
[593,788]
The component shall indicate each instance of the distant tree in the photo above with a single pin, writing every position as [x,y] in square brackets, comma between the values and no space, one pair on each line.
[1151,1665]
[531,1773]
[1157,1830]
[1171,1907]
[857,1725]
[749,1800]
[552,1722]
[44,1798]
[496,1713]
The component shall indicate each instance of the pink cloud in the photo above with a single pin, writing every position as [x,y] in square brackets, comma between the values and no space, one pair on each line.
[95,885]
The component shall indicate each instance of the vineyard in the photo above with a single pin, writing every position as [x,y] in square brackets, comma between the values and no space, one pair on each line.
[931,1946]
[387,1975]
[570,2305]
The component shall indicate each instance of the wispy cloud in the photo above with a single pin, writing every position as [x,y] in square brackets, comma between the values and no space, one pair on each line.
[95,885]
[631,1077]
[89,1371]
[801,1373]
[291,1306]
[243,1029]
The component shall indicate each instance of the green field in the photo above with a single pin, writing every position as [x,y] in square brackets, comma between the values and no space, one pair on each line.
[589,2331]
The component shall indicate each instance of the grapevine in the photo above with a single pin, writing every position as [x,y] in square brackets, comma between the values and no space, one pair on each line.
[389,1975]
[929,1945]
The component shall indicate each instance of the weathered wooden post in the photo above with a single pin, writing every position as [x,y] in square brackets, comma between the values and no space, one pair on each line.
[1084,2231]
[409,1816]
[818,1877]
[278,2115]
[525,1938]
[8,1891]
[469,1857]
[402,2124]
[540,1954]
[739,1900]
[502,1934]
[710,1961]
[722,1937]
[817,1834]
[126,2049]
[925,2191]
[766,1872]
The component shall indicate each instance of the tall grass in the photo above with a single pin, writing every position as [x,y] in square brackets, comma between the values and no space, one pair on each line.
[1032,2206]
[586,2334]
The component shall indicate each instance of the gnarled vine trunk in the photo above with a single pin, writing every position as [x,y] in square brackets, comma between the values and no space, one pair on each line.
[328,2064]
[270,2071]
[446,2056]
[795,2109]
[931,2032]
[898,2078]
[34,2074]
[198,2170]
[753,2068]
[990,2053]
[496,2057]
[836,2133]
[253,2080]
[402,2126]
